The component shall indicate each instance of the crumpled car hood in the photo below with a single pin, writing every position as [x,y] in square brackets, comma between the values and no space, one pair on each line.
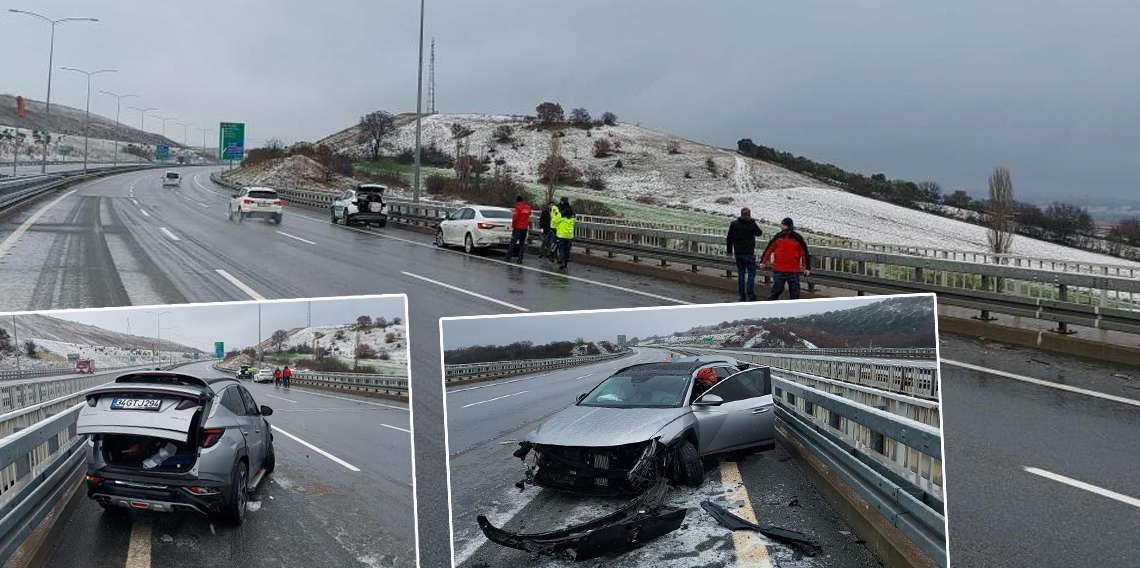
[593,426]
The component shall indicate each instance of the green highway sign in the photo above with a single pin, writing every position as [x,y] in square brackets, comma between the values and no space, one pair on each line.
[162,151]
[231,140]
[219,350]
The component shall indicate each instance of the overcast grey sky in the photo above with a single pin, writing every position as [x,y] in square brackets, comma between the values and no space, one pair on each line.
[917,90]
[640,323]
[234,324]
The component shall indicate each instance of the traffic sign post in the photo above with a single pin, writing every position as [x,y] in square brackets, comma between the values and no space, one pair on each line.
[195,355]
[219,350]
[231,140]
[162,151]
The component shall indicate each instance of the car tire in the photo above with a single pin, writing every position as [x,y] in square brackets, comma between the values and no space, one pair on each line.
[270,460]
[439,242]
[234,511]
[468,244]
[277,219]
[241,215]
[334,219]
[383,223]
[690,469]
[231,212]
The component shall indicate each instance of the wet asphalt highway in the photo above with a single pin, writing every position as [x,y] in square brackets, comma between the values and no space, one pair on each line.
[311,510]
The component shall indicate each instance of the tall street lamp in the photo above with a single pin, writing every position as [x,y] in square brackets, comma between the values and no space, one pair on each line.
[164,120]
[87,117]
[419,106]
[185,132]
[118,104]
[142,121]
[158,339]
[51,56]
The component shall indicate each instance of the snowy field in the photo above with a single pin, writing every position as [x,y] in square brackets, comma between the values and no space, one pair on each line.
[345,348]
[54,354]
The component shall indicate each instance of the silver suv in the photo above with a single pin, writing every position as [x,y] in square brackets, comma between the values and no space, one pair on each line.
[165,441]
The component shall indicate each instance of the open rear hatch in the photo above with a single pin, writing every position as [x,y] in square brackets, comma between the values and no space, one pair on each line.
[160,405]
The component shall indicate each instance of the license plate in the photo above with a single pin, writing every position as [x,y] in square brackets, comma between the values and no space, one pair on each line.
[375,207]
[136,404]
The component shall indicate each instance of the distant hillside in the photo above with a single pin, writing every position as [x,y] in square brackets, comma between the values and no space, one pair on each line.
[526,350]
[388,342]
[56,338]
[69,121]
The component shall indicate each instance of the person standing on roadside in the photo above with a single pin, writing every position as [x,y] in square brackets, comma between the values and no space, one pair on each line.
[276,376]
[286,375]
[562,222]
[741,242]
[788,254]
[547,231]
[520,224]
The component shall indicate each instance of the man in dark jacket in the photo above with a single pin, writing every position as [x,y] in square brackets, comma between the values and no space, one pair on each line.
[789,255]
[547,232]
[741,242]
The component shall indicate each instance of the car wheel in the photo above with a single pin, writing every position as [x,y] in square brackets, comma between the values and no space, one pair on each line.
[231,212]
[348,218]
[241,215]
[270,460]
[277,219]
[690,469]
[468,244]
[234,513]
[439,242]
[383,223]
[334,219]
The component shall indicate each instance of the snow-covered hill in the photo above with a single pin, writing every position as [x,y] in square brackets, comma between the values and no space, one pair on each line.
[340,341]
[56,338]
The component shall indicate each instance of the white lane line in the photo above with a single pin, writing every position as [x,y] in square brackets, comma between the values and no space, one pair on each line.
[1086,486]
[494,399]
[295,237]
[396,428]
[241,285]
[23,228]
[138,549]
[493,384]
[135,201]
[1043,383]
[143,211]
[279,398]
[306,391]
[468,292]
[204,188]
[318,450]
[583,376]
[168,234]
[502,262]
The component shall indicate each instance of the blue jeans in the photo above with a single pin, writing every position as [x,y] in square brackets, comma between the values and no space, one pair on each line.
[518,244]
[564,252]
[778,280]
[746,276]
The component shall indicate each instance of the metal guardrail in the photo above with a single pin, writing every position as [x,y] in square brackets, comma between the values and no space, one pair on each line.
[360,382]
[23,395]
[20,189]
[877,352]
[1067,293]
[502,368]
[893,463]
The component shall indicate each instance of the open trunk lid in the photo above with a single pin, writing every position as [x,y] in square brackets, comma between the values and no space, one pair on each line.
[161,411]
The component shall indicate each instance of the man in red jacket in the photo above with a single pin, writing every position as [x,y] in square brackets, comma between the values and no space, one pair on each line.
[520,223]
[286,375]
[789,255]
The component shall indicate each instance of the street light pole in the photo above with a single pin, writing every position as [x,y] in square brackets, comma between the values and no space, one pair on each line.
[142,122]
[158,339]
[87,116]
[118,104]
[185,130]
[51,64]
[419,107]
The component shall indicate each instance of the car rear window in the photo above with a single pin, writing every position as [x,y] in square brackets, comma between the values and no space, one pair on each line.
[171,175]
[495,214]
[262,194]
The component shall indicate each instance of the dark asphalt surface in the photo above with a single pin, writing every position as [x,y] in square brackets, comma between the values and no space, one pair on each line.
[485,421]
[309,511]
[68,260]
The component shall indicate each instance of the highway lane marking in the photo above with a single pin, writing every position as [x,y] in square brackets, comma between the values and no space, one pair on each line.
[494,384]
[295,237]
[396,428]
[23,228]
[494,399]
[279,398]
[168,234]
[1086,486]
[1044,383]
[750,546]
[143,211]
[138,550]
[204,188]
[306,391]
[505,263]
[241,285]
[468,292]
[318,450]
[583,376]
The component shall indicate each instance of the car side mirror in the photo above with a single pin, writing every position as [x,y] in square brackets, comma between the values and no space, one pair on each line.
[266,411]
[709,400]
[233,196]
[582,396]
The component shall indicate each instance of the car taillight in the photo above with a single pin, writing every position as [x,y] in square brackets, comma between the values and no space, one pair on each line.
[203,490]
[247,201]
[186,404]
[93,479]
[485,225]
[212,436]
[279,203]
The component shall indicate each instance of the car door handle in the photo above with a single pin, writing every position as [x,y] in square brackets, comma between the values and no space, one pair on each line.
[761,410]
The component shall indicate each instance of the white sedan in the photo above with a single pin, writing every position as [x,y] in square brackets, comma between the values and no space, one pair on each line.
[263,376]
[475,227]
[257,202]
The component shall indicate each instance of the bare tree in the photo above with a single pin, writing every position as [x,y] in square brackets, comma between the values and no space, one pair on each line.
[609,118]
[278,339]
[1001,218]
[327,159]
[549,113]
[503,133]
[580,117]
[363,322]
[375,127]
[602,148]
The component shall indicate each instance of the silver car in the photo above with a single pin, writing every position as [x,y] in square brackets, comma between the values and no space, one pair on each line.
[165,441]
[649,421]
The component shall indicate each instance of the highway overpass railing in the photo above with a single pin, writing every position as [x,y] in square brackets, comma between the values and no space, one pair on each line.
[892,462]
[504,368]
[20,189]
[360,382]
[876,352]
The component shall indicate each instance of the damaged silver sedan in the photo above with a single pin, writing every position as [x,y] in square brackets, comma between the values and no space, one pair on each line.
[645,427]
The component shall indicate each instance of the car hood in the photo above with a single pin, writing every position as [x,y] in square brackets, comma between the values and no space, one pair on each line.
[593,426]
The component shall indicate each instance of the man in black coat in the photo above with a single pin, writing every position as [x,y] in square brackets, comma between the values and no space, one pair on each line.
[741,242]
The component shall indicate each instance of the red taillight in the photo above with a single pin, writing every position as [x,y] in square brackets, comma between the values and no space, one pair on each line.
[203,490]
[247,201]
[140,504]
[279,203]
[212,436]
[93,479]
[485,225]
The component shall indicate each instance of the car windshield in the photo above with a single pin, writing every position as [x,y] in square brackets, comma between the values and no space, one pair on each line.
[646,390]
[495,214]
[261,194]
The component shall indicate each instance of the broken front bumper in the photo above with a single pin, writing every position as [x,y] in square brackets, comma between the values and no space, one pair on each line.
[641,520]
